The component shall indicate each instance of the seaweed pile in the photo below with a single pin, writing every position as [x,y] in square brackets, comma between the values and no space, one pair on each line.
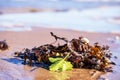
[81,54]
[3,45]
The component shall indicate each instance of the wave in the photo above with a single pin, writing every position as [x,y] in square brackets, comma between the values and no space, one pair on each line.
[87,20]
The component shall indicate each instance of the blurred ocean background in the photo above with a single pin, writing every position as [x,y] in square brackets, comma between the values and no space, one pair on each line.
[82,15]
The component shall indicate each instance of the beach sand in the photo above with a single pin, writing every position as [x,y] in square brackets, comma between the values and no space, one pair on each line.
[12,69]
[27,10]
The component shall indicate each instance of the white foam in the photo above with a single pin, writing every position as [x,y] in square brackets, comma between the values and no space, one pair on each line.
[115,21]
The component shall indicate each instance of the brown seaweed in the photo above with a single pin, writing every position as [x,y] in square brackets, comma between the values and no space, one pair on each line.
[82,54]
[3,45]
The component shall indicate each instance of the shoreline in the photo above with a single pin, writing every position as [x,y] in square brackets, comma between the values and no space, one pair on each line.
[39,36]
[12,10]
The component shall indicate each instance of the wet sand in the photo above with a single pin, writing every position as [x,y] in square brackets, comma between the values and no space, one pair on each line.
[27,10]
[12,69]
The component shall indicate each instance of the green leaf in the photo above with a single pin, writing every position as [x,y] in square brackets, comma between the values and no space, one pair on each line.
[69,65]
[59,64]
[52,60]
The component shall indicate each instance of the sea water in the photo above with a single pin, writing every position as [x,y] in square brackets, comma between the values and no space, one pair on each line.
[93,16]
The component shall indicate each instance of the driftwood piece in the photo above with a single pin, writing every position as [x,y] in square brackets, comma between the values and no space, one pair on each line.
[68,44]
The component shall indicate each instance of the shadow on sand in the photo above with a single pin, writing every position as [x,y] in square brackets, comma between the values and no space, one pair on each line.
[20,61]
[13,60]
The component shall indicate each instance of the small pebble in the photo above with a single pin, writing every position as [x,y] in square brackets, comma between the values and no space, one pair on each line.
[115,57]
[85,40]
[117,38]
